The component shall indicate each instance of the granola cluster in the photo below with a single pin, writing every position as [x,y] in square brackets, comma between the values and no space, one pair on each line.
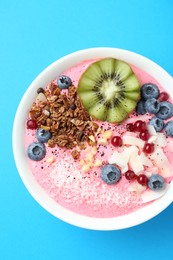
[63,115]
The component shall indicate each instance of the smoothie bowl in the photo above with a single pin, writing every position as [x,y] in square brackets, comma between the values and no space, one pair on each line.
[93,136]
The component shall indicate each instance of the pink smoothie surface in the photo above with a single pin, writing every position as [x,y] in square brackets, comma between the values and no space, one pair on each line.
[85,192]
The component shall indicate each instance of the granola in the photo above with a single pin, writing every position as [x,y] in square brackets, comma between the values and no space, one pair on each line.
[62,113]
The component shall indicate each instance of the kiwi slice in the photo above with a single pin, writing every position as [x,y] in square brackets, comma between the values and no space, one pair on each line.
[109,90]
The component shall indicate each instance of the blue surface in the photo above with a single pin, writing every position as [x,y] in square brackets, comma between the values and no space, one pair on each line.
[33,34]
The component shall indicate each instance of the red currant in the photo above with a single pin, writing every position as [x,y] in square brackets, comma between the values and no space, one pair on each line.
[31,124]
[130,175]
[130,127]
[116,141]
[148,148]
[142,179]
[144,135]
[139,125]
[163,96]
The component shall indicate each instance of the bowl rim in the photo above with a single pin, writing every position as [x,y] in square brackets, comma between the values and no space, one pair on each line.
[135,218]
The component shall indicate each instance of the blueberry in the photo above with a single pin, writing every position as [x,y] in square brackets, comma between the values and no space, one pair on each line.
[140,108]
[165,111]
[169,128]
[110,174]
[64,82]
[157,123]
[43,135]
[152,105]
[156,182]
[149,90]
[36,151]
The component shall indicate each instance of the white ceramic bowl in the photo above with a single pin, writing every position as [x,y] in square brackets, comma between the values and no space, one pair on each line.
[28,179]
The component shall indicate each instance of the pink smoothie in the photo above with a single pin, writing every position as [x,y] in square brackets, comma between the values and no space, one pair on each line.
[85,192]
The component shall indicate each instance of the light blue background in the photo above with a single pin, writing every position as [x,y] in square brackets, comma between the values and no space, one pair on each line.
[33,34]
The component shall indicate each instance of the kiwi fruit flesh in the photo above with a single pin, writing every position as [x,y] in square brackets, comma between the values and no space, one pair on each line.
[109,90]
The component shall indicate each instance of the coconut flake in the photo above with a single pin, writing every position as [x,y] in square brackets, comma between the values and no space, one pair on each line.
[150,195]
[118,159]
[122,158]
[161,140]
[130,140]
[152,130]
[135,164]
[125,169]
[152,139]
[136,187]
[151,171]
[145,160]
[162,162]
[127,152]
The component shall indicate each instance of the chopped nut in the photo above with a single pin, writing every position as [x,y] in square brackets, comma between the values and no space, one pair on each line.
[107,134]
[89,157]
[41,97]
[86,168]
[82,162]
[102,141]
[97,163]
[46,113]
[98,130]
[82,145]
[75,154]
[95,126]
[92,138]
[51,159]
[90,142]
[93,150]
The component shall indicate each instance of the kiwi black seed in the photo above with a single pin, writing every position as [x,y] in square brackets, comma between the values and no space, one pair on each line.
[109,90]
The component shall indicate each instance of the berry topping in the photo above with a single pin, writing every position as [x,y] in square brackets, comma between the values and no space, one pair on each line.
[165,111]
[139,125]
[169,128]
[144,135]
[130,127]
[148,148]
[142,179]
[64,82]
[157,123]
[36,151]
[152,105]
[163,96]
[116,141]
[110,174]
[149,90]
[156,182]
[31,124]
[140,108]
[43,135]
[40,90]
[130,175]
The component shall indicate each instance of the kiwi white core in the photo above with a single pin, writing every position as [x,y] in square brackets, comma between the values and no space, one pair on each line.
[109,89]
